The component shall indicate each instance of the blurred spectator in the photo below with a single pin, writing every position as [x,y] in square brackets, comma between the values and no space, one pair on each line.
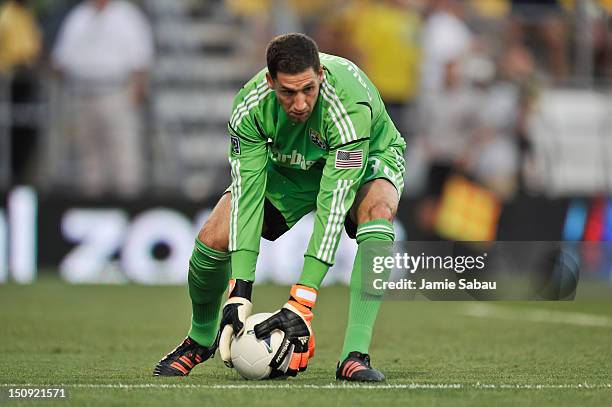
[264,19]
[50,16]
[20,39]
[448,123]
[475,125]
[517,69]
[388,50]
[446,39]
[260,20]
[545,19]
[20,45]
[330,30]
[103,52]
[494,160]
[488,20]
[490,9]
[602,40]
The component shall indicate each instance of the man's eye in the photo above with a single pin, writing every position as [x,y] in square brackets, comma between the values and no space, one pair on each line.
[308,89]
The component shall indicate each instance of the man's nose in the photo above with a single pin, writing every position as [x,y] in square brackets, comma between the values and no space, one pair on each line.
[300,102]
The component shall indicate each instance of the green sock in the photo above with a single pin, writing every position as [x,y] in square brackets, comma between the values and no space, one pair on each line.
[363,308]
[209,272]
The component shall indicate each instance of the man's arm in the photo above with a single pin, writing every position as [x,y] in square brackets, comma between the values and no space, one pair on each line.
[248,158]
[344,169]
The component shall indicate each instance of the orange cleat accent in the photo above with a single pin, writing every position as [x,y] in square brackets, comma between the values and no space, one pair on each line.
[183,358]
[180,367]
[356,367]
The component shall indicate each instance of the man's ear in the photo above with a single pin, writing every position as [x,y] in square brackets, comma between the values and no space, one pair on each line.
[320,74]
[269,80]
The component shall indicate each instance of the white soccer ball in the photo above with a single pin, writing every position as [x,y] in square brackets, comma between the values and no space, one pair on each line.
[251,356]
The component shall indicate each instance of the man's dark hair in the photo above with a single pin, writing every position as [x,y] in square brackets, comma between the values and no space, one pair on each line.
[292,53]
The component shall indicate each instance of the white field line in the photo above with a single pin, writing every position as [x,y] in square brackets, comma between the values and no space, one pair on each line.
[331,386]
[537,315]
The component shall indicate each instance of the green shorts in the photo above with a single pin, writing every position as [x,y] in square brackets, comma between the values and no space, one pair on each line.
[291,194]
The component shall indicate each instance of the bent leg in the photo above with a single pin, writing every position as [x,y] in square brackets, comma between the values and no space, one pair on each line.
[377,199]
[209,273]
[374,209]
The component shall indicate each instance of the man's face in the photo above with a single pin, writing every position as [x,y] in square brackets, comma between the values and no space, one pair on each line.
[297,93]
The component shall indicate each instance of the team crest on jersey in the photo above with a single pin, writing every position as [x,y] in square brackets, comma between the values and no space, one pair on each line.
[317,139]
[235,145]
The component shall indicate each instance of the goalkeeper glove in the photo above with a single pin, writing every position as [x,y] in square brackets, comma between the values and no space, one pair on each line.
[294,319]
[235,311]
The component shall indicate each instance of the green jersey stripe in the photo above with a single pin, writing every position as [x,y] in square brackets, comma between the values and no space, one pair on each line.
[339,107]
[337,228]
[334,220]
[232,233]
[242,105]
[336,115]
[330,219]
[332,91]
[338,231]
[334,101]
[332,114]
[236,191]
[238,198]
[248,98]
[377,228]
[251,94]
[253,104]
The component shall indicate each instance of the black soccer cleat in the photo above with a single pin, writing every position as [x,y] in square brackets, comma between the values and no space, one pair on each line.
[356,368]
[183,358]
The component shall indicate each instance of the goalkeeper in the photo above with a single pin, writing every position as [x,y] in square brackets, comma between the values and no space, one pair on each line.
[309,133]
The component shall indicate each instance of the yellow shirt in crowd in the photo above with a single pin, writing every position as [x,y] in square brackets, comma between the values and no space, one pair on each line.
[386,39]
[20,39]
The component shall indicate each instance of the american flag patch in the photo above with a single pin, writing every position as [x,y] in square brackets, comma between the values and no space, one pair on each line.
[349,159]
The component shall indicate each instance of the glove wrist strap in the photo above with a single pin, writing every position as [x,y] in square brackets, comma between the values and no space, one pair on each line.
[303,295]
[240,288]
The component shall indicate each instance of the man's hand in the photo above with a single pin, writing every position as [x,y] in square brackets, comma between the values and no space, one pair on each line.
[294,320]
[235,311]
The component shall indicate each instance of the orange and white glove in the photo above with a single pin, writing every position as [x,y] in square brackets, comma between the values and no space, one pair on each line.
[236,310]
[294,319]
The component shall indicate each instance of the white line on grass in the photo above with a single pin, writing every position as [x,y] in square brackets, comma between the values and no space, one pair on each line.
[331,386]
[537,315]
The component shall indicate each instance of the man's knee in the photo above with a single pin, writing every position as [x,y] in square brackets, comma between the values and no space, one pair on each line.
[375,200]
[215,232]
[378,210]
[210,236]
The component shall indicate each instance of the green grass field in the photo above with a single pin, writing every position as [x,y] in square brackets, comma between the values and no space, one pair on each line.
[103,341]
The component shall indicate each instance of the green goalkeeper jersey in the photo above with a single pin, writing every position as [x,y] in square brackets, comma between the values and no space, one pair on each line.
[330,150]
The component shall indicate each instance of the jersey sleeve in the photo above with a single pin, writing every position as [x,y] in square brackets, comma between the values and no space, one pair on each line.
[348,137]
[248,158]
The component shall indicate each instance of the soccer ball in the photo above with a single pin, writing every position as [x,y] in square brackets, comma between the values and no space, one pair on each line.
[251,356]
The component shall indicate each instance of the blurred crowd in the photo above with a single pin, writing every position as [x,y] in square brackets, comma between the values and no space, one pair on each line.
[459,78]
[98,52]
